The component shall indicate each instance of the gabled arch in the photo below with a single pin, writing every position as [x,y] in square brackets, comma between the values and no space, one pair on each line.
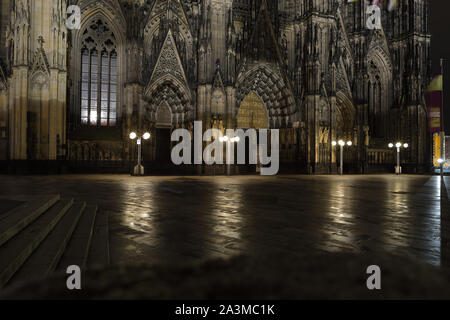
[175,96]
[169,79]
[168,67]
[167,11]
[267,82]
[168,83]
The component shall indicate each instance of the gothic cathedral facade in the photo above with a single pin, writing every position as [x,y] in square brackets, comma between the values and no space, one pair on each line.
[310,68]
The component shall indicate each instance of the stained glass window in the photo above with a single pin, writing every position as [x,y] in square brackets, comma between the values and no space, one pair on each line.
[98,76]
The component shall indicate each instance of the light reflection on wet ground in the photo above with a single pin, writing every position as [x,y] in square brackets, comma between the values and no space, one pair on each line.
[172,219]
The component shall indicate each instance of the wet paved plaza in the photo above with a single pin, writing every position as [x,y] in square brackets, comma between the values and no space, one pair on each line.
[172,219]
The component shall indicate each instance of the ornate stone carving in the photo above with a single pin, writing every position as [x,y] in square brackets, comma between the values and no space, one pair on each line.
[169,62]
[40,61]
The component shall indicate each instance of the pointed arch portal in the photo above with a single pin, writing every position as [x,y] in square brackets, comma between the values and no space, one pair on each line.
[252,113]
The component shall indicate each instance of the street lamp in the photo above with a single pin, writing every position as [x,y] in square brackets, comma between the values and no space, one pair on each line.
[342,143]
[441,164]
[139,169]
[398,146]
[229,142]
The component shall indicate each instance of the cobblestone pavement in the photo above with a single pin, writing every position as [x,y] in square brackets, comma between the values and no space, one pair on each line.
[171,219]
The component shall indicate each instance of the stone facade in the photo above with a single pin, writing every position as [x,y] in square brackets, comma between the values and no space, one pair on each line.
[309,68]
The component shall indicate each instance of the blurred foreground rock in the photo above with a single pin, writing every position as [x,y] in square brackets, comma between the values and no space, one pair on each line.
[277,276]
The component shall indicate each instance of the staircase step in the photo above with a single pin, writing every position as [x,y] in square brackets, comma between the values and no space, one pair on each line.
[79,245]
[46,257]
[7,205]
[19,218]
[99,253]
[15,252]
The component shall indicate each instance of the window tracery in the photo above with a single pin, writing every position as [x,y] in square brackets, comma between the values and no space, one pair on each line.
[99,75]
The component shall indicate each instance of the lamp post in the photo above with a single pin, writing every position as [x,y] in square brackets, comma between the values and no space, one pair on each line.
[398,145]
[229,142]
[139,168]
[441,164]
[341,143]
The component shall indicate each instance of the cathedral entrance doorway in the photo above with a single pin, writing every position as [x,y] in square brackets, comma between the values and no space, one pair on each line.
[252,114]
[162,136]
[163,145]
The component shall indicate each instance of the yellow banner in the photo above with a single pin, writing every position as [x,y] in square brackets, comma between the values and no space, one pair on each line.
[436,84]
[437,152]
[435,122]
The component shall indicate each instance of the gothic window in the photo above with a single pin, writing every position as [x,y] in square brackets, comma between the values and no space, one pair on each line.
[98,76]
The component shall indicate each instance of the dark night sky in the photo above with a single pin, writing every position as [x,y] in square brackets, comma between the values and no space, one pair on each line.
[440,47]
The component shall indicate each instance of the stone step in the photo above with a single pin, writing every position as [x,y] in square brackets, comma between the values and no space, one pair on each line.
[19,218]
[15,252]
[7,205]
[99,253]
[447,187]
[46,257]
[79,245]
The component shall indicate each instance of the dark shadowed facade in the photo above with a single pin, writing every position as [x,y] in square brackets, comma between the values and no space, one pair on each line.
[308,68]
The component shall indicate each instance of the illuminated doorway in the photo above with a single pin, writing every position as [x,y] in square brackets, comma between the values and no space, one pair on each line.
[162,134]
[252,114]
